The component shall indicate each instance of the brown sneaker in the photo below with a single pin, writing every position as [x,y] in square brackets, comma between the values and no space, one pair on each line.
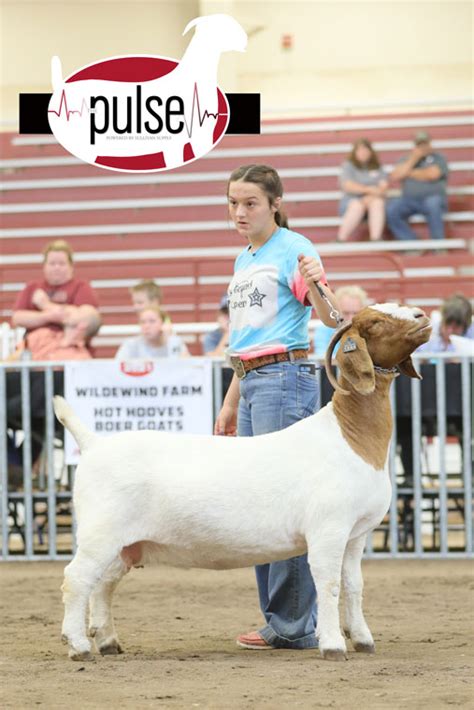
[254,641]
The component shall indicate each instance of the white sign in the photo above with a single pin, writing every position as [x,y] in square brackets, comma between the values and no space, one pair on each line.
[109,396]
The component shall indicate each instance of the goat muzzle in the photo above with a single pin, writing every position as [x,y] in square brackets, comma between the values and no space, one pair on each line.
[422,325]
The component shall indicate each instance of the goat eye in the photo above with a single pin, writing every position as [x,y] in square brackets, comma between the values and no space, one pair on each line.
[375,325]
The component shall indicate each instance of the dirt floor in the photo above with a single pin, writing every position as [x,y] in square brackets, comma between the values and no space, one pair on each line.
[178,627]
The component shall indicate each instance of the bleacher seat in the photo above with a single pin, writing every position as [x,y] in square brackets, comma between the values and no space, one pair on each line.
[173,227]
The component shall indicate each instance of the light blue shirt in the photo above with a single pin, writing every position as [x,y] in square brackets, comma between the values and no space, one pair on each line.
[268,306]
[322,337]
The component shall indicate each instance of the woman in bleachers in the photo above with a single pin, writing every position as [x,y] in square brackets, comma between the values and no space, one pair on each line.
[364,184]
[49,303]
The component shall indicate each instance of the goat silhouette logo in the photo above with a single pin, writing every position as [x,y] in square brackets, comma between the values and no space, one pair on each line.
[147,113]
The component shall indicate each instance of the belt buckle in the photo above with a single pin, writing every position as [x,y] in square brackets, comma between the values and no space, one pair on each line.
[238,367]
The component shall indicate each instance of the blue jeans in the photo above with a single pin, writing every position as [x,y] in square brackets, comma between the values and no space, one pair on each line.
[401,208]
[272,398]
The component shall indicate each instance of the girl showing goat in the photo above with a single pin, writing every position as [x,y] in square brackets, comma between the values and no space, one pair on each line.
[274,385]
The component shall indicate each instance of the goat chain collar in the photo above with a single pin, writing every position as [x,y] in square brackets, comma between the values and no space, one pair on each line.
[333,312]
[387,371]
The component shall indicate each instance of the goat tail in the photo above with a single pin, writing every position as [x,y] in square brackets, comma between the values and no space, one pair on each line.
[84,436]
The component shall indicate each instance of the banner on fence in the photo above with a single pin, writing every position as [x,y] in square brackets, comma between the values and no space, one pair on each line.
[109,396]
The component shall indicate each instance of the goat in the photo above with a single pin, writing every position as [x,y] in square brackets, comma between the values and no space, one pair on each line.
[192,80]
[225,502]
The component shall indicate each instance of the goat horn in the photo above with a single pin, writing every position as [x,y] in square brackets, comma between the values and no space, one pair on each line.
[327,363]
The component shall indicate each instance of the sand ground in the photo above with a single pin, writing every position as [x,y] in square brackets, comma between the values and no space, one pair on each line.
[178,628]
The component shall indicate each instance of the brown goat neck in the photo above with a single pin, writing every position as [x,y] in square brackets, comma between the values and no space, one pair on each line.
[366,419]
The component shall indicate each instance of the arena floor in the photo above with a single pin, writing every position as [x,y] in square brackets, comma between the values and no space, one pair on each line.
[178,629]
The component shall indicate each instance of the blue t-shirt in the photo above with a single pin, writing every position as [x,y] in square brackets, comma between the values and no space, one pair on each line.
[268,306]
[322,338]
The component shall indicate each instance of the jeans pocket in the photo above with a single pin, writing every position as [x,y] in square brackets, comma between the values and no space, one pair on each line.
[306,394]
[273,370]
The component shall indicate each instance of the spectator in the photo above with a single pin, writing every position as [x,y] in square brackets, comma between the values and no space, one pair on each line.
[80,324]
[153,342]
[364,184]
[216,342]
[351,300]
[47,304]
[146,293]
[456,319]
[424,176]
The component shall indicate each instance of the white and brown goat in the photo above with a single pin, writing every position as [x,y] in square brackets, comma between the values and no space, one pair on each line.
[224,502]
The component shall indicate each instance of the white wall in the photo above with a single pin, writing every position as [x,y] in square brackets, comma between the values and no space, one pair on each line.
[345,52]
[350,52]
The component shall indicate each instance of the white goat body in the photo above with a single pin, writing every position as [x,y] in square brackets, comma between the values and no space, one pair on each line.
[230,504]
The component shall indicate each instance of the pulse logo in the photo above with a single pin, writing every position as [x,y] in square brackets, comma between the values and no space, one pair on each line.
[147,113]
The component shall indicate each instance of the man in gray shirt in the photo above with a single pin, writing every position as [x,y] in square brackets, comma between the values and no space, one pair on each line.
[423,175]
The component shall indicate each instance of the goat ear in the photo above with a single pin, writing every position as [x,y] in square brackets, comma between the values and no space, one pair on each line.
[191,24]
[407,368]
[355,363]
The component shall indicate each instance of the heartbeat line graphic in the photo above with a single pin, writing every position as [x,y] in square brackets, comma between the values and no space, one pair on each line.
[201,118]
[195,107]
[71,111]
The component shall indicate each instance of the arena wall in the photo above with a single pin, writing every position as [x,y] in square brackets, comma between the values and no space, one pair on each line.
[344,53]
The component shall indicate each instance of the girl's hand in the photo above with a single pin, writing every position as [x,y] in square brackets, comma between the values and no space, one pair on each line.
[226,422]
[310,268]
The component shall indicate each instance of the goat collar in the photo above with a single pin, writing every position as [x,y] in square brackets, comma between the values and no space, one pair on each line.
[387,371]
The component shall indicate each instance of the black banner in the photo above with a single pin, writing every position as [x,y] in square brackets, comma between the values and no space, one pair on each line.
[244,114]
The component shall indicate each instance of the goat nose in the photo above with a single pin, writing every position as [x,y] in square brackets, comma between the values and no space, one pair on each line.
[418,313]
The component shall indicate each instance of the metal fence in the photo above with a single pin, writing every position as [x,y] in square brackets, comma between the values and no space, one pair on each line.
[431,509]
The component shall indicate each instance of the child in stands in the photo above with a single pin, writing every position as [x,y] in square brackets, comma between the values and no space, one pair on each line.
[153,341]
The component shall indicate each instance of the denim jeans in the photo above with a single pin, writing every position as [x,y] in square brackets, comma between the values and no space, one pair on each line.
[272,398]
[401,208]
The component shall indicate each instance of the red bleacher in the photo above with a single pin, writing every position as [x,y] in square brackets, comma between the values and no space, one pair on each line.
[193,279]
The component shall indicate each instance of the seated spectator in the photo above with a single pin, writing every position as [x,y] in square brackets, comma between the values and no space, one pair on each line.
[364,184]
[47,303]
[424,175]
[351,300]
[216,342]
[80,325]
[456,319]
[146,293]
[153,342]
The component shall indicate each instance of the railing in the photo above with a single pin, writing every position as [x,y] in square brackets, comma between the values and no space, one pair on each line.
[431,510]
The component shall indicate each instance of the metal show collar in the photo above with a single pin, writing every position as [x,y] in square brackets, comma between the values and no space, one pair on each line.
[387,371]
[350,345]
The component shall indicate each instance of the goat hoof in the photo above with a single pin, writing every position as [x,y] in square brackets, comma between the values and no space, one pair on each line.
[346,633]
[80,655]
[64,639]
[111,649]
[92,631]
[334,655]
[364,647]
